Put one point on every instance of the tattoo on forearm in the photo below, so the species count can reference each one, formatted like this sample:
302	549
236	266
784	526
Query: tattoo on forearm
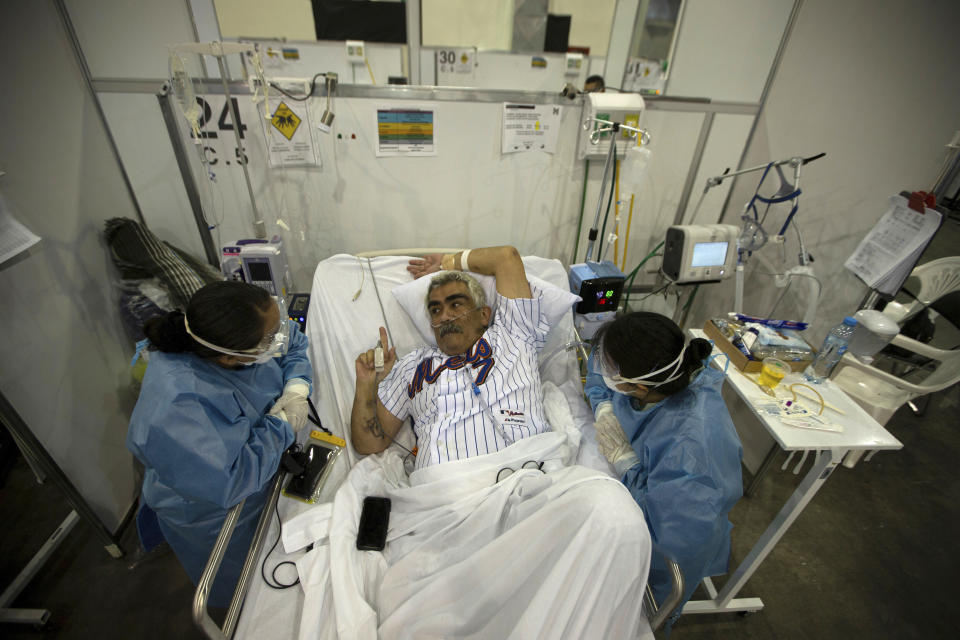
373	426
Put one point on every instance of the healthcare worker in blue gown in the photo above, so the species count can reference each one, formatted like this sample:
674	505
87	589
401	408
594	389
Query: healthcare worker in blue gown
225	391
663	425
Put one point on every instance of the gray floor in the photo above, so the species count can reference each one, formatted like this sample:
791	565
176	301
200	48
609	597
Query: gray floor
872	556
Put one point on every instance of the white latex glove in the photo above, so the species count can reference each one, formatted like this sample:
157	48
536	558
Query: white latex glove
292	404
611	440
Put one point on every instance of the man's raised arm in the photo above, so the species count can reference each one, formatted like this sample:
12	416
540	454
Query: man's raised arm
503	263
372	426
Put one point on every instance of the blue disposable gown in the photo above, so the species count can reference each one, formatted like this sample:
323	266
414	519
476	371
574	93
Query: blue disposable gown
687	478
204	437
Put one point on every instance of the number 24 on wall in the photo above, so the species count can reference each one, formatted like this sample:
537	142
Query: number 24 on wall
222	125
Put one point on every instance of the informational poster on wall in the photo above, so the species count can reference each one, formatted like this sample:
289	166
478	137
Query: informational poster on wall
645	76
289	135
530	127
406	131
455	67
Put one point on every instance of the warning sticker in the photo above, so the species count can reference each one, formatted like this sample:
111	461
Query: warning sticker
289	136
285	121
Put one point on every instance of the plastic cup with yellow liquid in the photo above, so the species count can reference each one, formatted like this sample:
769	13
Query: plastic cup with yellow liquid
772	372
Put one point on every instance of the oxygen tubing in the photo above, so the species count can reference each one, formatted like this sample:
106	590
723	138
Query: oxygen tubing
633	274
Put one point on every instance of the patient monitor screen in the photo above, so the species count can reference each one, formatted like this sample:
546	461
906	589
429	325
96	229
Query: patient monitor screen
709	254
260	271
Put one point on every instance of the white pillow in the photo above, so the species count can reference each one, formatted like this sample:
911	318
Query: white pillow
412	297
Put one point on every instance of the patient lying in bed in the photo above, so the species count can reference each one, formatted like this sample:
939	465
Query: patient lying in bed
493	534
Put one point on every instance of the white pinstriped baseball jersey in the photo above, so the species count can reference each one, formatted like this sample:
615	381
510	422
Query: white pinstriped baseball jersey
438	390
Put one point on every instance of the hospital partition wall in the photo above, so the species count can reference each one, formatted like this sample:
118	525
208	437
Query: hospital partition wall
469	193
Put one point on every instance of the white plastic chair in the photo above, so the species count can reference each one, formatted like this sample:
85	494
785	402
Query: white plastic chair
937	279
881	393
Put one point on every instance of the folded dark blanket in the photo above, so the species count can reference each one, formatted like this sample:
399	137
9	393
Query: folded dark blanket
137	253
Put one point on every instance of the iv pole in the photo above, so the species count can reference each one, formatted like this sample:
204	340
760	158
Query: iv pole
220	50
607	126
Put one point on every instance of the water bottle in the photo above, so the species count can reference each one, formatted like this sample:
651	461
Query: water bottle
834	346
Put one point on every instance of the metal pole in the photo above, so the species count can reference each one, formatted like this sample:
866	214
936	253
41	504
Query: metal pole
413	40
88	82
15	424
822	467
259	228
189	183
592	237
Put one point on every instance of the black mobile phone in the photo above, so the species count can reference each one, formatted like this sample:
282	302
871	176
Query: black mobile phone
372	534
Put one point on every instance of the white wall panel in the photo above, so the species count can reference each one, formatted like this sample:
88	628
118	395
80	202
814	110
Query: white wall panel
725	49
123	39
138	129
724	148
842	89
467	23
291	19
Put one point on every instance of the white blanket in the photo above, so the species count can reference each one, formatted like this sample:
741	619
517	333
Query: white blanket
562	554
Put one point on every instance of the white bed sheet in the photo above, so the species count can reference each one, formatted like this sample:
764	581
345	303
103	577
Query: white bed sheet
339	328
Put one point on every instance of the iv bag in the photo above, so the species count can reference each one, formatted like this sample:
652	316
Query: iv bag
182	85
633	168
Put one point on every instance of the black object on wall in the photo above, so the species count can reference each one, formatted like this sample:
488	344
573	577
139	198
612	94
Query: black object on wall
360	20
558	33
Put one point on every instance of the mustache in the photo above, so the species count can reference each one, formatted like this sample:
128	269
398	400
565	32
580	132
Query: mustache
447	329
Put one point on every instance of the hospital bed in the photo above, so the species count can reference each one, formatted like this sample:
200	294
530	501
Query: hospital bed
351	297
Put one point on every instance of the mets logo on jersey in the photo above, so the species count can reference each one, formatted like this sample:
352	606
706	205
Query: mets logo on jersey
480	357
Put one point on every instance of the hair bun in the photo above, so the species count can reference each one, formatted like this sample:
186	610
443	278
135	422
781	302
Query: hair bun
168	333
698	350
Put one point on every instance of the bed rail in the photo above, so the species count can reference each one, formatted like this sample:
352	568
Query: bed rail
413	251
657	615
200	614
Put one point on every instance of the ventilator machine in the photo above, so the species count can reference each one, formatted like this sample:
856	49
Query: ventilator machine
699	253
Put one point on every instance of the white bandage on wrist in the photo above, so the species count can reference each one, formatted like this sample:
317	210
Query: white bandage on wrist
603	408
463	260
297	386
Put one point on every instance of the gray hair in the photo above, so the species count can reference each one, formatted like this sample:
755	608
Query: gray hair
473	287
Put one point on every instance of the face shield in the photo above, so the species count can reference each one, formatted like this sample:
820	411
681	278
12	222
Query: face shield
612	378
274	344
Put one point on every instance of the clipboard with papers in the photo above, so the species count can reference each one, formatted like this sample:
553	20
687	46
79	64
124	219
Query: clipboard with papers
887	255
